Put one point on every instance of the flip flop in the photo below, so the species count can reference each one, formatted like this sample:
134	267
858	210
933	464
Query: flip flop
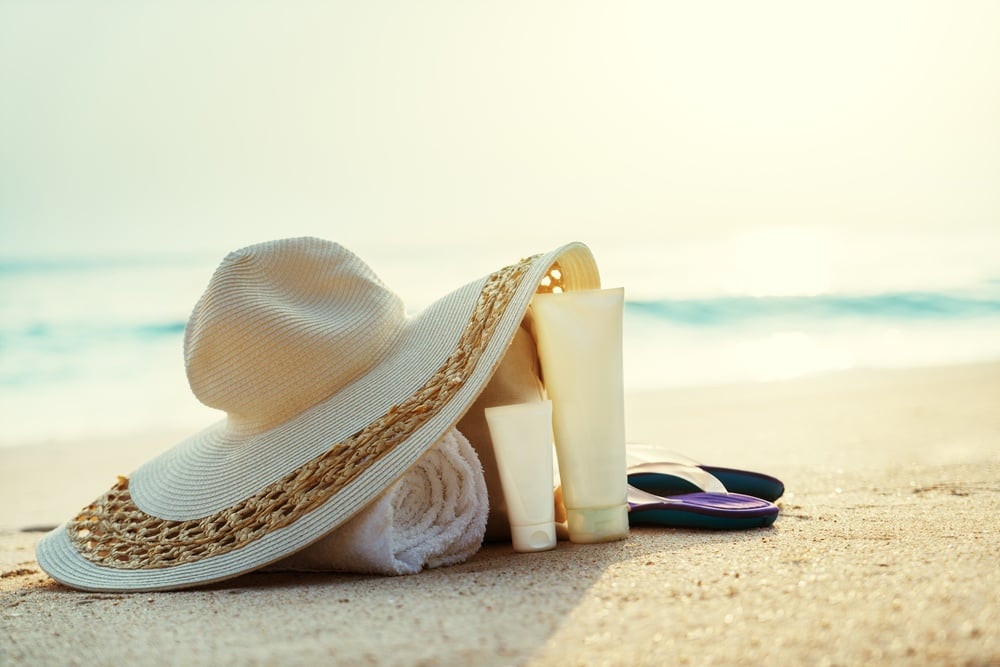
716	511
666	478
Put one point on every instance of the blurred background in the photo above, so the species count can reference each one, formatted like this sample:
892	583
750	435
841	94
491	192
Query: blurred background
783	188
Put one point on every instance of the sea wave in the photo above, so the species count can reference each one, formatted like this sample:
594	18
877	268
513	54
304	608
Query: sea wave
741	310
22	266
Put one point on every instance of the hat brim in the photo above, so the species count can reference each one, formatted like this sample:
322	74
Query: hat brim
223	503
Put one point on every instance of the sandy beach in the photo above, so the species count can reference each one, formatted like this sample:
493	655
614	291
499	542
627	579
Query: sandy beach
885	553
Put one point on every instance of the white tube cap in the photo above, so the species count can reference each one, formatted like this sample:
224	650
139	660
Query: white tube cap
597	524
534	537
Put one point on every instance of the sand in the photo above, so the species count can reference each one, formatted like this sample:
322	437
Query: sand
886	552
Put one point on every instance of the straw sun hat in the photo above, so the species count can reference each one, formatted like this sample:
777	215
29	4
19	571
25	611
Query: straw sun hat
331	393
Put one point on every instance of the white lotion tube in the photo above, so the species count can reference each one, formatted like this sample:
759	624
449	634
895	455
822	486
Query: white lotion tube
522	443
579	337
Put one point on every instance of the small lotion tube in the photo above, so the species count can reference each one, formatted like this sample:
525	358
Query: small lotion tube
522	443
579	337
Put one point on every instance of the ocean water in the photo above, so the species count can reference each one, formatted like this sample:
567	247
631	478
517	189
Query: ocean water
740	339
92	347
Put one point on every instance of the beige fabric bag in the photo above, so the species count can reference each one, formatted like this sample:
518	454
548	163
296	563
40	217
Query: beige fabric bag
517	380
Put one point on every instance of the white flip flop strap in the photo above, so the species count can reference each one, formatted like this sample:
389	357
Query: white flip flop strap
701	478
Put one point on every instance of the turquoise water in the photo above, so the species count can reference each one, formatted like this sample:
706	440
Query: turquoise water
735	339
94	346
906	306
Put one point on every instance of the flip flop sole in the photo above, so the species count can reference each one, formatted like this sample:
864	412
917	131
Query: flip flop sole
748	483
715	511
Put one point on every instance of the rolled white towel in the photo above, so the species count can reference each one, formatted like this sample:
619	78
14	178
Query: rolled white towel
434	515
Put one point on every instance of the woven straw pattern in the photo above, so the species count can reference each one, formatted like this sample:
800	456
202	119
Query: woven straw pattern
114	532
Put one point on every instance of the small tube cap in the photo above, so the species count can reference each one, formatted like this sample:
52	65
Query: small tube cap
597	524
534	537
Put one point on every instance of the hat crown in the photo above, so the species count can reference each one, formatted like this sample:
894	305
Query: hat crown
282	326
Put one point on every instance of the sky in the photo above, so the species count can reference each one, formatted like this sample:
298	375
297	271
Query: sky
779	146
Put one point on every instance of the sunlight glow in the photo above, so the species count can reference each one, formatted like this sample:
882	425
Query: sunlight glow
789	354
777	261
